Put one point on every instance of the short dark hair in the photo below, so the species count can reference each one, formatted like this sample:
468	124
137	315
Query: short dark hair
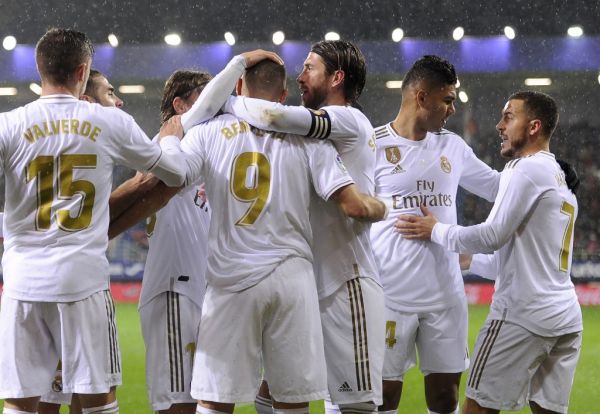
266	76
182	83
432	69
91	86
347	57
540	106
59	52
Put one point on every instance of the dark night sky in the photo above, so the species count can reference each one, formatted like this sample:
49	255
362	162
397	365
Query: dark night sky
137	21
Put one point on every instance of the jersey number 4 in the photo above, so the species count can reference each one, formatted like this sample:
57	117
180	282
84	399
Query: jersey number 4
41	169
251	183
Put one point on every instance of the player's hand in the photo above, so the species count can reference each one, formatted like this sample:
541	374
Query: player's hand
255	56
416	227
172	127
145	181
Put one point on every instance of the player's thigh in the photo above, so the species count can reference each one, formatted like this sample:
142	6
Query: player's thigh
505	358
400	349
442	340
28	340
228	362
354	334
170	329
552	382
91	358
293	352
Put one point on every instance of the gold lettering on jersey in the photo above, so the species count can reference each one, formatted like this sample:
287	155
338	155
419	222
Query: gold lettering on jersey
234	129
61	126
445	164
393	155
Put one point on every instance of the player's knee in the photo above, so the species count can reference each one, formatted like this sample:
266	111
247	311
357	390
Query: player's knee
112	408
358	408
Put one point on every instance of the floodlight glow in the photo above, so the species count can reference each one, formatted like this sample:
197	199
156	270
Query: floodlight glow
457	84
598	78
278	37
538	81
9	42
397	84
509	32
332	36
35	88
113	40
464	98
229	38
173	39
458	33
575	31
397	34
8	91
128	89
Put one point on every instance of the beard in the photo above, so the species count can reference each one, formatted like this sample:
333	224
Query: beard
315	99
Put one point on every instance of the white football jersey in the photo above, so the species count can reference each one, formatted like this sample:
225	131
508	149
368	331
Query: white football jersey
57	155
531	229
342	247
419	276
259	188
178	247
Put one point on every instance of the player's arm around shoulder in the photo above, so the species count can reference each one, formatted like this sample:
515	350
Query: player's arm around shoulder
478	177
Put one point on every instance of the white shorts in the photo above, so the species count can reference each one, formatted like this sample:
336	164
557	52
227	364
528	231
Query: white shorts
513	365
353	332
56	396
277	318
439	337
170	327
35	335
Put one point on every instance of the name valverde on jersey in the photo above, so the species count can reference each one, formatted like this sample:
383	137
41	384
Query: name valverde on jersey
57	155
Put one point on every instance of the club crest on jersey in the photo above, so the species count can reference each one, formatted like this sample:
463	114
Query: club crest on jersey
393	155
445	164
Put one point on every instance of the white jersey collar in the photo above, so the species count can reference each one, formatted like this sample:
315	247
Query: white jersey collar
407	141
59	97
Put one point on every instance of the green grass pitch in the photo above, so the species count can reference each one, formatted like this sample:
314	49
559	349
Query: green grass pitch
585	397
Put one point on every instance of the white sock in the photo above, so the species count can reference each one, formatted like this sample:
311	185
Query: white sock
263	405
456	411
331	408
303	410
13	411
388	412
112	408
358	408
203	410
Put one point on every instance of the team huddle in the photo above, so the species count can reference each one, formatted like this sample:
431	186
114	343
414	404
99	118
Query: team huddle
296	252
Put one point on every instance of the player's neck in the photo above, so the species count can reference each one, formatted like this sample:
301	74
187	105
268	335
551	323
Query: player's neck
407	127
335	97
51	89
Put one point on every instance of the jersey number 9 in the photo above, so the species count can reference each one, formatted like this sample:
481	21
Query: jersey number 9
250	182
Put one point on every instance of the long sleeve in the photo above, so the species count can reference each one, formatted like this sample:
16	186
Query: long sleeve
506	217
215	94
478	177
484	265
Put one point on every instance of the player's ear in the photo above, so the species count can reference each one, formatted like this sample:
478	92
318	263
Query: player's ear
420	96
284	94
535	126
87	98
338	78
179	105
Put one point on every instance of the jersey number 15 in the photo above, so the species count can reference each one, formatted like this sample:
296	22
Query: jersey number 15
41	169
